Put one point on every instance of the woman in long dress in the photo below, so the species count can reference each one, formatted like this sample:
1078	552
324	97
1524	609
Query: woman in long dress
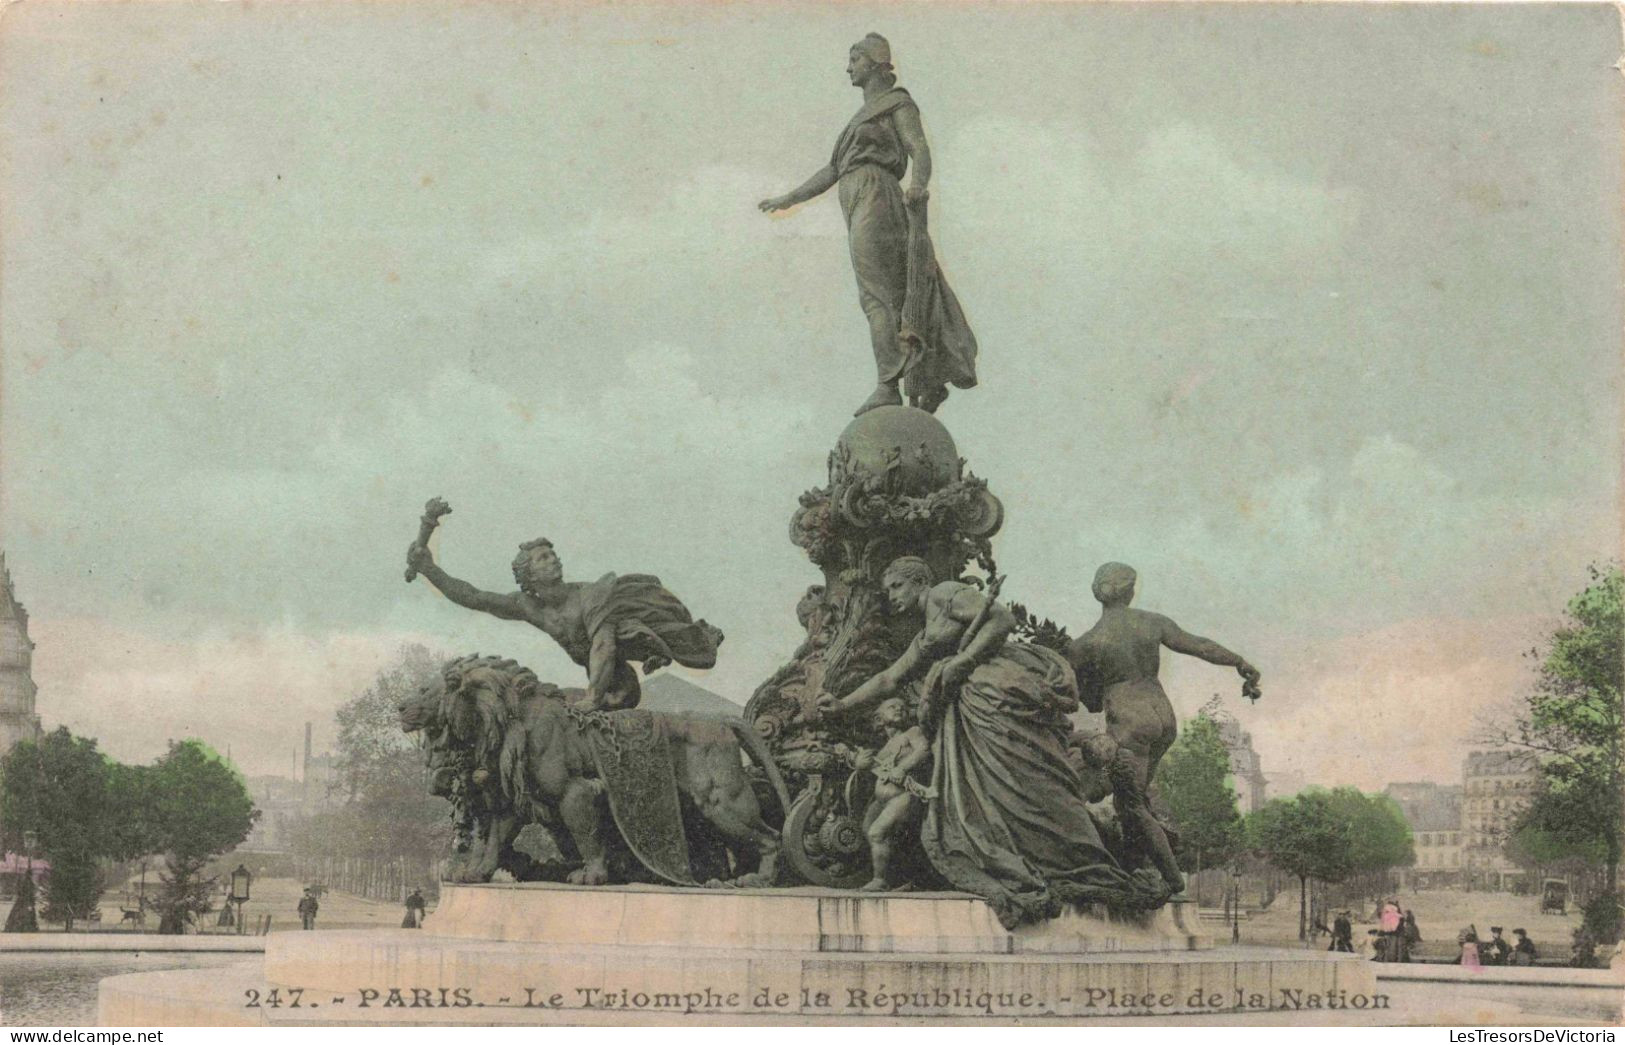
1007	820
916	327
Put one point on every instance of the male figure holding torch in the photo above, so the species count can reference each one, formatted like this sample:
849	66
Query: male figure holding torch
604	626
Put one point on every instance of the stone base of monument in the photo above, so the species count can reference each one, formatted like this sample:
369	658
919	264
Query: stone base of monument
546	954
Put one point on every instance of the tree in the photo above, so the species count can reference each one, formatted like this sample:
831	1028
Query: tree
196	807
1306	837
1571	721
1379	836
1193	781
1555	834
385	810
69	795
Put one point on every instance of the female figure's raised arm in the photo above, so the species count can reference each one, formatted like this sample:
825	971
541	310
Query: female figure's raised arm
812	188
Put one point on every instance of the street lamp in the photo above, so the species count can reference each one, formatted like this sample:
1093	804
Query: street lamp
240	880
1235	905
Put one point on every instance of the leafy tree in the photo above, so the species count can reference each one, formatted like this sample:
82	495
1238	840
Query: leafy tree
1555	833
1379	836
1194	782
1571	721
68	794
195	807
384	808
1307	837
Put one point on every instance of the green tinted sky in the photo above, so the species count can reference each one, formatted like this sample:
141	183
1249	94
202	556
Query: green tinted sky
1310	313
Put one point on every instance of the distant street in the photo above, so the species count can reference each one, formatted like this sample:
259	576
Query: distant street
1440	914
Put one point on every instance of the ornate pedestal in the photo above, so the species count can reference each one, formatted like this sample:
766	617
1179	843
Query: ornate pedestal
548	954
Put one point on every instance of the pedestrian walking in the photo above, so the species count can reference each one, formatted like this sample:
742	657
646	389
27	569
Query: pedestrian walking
414	910
1342	933
308	906
1409	936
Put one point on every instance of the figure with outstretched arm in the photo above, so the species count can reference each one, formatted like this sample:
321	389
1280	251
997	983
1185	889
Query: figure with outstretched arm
1116	663
605	626
916	328
1004	813
949	609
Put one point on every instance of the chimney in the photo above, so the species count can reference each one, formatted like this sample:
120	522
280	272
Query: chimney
307	751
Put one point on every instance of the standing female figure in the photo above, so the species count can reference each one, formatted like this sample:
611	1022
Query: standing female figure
1005	817
916	327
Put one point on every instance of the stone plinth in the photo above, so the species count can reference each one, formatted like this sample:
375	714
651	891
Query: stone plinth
794	920
561	955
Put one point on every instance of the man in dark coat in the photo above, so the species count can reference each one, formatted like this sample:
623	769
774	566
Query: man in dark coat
1499	949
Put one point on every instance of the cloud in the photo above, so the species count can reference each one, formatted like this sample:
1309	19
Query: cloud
1401	702
1183	196
251	691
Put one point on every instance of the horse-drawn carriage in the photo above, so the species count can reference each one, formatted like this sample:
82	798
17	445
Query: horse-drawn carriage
1554	896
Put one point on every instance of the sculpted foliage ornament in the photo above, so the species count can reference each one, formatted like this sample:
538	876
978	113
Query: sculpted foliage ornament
896	486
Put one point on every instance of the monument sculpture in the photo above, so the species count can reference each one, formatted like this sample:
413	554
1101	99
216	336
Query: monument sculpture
896	486
966	776
604	626
1116	663
918	332
1005	818
914	760
631	788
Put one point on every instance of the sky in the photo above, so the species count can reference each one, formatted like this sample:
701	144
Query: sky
1310	313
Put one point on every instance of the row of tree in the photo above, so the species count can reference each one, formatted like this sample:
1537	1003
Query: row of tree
84	813
379	806
1570	726
1341	835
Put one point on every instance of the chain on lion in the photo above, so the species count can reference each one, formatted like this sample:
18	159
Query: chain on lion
621	733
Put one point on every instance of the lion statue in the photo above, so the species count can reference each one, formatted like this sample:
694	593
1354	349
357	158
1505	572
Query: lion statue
513	750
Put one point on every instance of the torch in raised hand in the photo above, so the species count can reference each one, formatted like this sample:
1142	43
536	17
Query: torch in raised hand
426	527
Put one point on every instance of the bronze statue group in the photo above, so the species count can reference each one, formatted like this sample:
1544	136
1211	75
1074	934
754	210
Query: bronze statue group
971	759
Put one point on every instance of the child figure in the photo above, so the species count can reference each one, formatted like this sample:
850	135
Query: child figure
898	796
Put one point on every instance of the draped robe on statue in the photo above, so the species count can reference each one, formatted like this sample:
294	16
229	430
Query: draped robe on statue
649	621
917	328
650	625
1008	820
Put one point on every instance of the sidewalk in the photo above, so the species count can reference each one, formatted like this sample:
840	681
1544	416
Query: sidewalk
124	942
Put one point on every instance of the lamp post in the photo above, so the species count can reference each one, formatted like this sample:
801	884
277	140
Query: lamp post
1235	905
240	881
30	840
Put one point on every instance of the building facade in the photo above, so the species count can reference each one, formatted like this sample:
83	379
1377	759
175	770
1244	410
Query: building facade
1247	771
18	718
1496	785
1433	812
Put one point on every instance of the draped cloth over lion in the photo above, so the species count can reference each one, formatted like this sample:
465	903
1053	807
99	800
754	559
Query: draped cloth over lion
918	330
650	622
631	751
638	756
1008	821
